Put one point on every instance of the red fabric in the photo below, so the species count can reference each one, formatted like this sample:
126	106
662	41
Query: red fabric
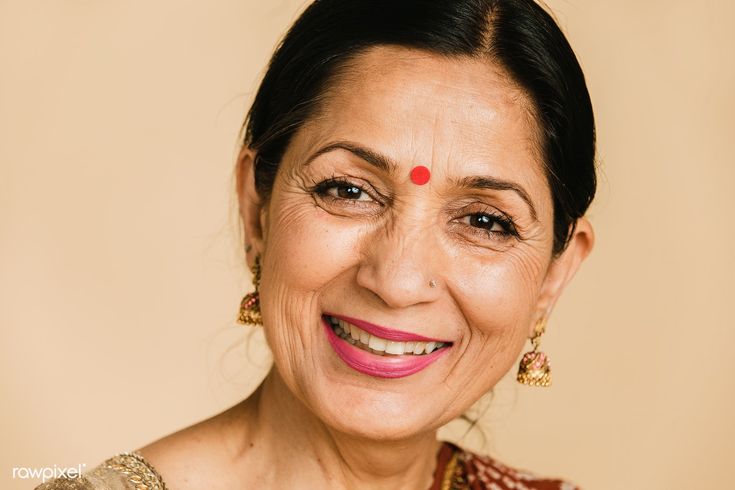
476	472
445	453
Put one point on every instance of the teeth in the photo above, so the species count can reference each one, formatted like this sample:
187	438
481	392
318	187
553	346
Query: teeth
379	346
395	348
376	343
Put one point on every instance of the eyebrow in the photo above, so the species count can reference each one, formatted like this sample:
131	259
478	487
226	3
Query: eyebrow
385	164
372	157
486	182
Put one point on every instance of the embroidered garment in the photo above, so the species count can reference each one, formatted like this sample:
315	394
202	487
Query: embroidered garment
125	471
456	469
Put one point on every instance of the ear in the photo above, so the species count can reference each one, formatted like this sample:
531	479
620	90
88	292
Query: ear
562	269
252	210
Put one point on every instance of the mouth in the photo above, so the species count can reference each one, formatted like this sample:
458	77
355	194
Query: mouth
378	356
380	346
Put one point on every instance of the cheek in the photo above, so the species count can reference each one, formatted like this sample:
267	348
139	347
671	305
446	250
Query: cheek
498	302
305	250
307	246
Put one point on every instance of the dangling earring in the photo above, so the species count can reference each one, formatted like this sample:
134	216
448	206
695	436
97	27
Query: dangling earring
534	368
250	304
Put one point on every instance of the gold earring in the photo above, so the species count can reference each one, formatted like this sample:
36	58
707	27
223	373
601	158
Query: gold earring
534	368
250	304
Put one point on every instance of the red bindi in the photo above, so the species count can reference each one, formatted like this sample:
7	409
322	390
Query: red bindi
420	175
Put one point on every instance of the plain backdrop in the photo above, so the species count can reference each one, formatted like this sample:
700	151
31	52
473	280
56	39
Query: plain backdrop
121	268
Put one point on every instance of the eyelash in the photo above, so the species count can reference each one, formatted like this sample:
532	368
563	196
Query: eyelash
322	188
509	228
506	222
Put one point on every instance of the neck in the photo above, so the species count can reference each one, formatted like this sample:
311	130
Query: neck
291	448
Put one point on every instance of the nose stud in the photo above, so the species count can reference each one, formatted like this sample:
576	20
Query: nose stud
432	283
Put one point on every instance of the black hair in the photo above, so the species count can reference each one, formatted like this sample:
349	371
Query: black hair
517	34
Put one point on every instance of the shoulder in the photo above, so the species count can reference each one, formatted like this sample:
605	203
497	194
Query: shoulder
124	471
193	457
484	472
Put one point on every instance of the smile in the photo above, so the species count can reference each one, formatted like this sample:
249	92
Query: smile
378	345
378	356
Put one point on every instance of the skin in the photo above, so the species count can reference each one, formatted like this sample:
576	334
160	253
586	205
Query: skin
370	253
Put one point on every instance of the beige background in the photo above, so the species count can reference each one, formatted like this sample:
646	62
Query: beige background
120	270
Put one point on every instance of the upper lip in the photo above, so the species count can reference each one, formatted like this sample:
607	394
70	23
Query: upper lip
385	332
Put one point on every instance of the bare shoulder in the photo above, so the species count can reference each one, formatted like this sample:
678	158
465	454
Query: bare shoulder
195	456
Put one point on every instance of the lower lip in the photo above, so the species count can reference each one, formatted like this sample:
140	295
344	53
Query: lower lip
377	365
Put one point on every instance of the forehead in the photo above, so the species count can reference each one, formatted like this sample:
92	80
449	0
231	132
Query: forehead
458	115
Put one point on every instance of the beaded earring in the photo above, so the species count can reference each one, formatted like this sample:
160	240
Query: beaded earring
534	368
250	304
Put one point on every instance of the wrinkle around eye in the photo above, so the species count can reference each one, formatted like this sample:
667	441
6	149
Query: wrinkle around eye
332	193
333	190
480	247
344	207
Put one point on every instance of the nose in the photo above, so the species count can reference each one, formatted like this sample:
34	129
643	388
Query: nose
399	265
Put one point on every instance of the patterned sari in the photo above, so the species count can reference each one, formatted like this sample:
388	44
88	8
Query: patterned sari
456	469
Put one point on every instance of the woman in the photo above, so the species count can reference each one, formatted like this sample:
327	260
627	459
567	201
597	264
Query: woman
412	186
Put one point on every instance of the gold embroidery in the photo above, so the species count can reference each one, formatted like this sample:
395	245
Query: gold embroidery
448	480
141	474
66	483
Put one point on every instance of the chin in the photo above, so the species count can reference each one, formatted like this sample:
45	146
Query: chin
375	410
382	418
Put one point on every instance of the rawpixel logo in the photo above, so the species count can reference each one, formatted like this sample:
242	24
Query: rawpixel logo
47	472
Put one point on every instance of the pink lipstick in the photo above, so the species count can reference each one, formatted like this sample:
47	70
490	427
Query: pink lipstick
385	332
381	366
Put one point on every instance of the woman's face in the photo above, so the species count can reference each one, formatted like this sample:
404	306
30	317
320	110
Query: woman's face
347	233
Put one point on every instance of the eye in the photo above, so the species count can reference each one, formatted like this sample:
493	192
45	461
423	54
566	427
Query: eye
344	197
341	192
494	225
345	190
486	221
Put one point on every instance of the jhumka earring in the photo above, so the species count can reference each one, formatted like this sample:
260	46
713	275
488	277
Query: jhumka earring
534	368
250	304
